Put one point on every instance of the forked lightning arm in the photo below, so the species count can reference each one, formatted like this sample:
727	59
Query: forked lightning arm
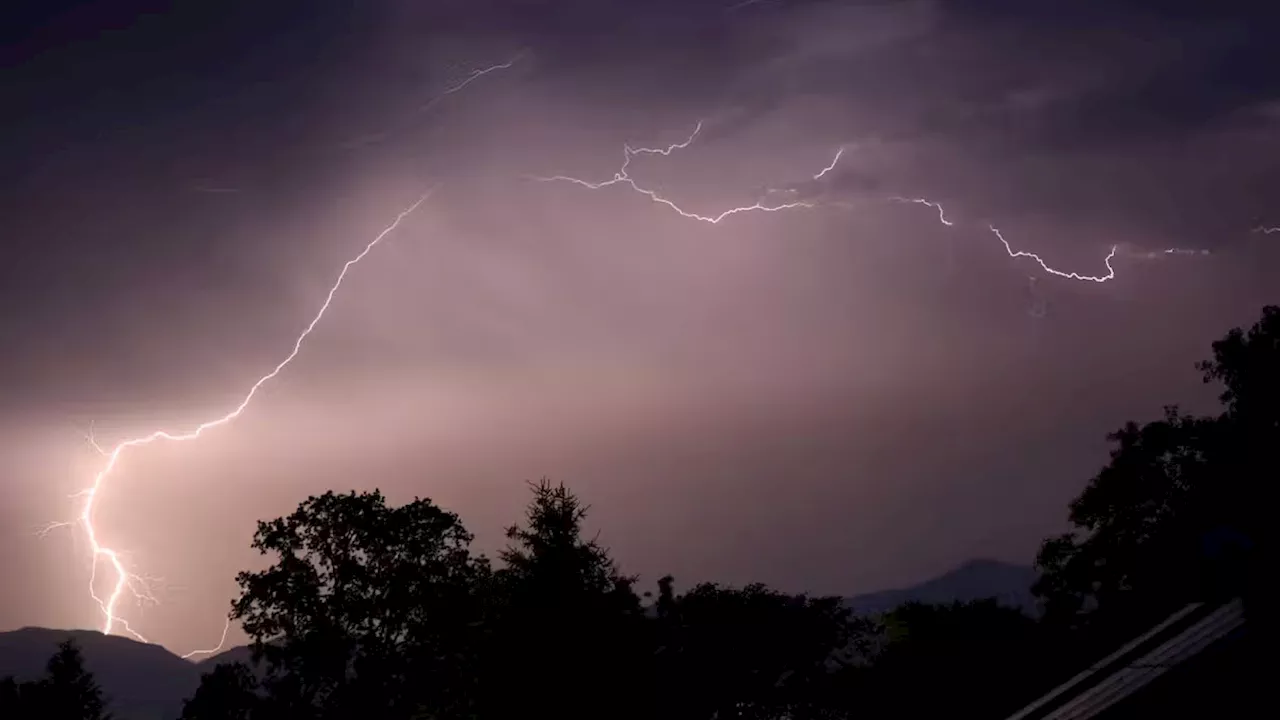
209	651
942	216
124	580
623	177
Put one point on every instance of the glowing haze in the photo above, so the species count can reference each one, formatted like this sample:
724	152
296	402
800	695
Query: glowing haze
869	318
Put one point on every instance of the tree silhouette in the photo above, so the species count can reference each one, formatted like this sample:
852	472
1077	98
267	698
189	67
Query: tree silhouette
566	626
1177	513
69	692
1248	367
747	653
230	692
11	698
974	659
1139	524
366	608
66	692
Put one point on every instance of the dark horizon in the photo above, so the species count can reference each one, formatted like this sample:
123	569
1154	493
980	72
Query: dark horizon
835	399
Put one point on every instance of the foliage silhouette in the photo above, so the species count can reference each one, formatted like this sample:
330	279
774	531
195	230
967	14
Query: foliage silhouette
749	652
1177	514
976	659
384	612
229	692
66	692
1248	367
567	625
366	607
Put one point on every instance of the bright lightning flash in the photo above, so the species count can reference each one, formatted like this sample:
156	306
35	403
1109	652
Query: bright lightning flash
124	580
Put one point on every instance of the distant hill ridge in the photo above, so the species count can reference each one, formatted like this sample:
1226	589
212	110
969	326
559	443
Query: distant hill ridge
148	682
1009	584
141	681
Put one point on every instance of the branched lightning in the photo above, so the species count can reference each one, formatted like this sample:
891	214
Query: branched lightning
126	581
942	218
623	177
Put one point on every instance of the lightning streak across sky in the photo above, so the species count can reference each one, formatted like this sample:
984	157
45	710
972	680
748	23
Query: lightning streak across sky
472	77
455	87
123	580
942	216
1111	272
623	177
831	166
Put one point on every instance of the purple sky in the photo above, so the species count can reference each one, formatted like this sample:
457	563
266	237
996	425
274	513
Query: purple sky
835	399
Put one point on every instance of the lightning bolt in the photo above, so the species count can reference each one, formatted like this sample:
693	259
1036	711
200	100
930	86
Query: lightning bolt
105	556
621	177
1111	272
832	166
221	641
471	77
942	218
1266	230
942	215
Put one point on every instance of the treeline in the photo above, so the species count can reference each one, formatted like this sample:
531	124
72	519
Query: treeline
375	611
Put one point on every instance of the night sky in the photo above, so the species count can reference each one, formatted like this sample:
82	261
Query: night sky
834	399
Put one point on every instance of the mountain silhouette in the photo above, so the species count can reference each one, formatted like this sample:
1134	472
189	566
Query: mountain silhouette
147	682
140	681
1009	584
